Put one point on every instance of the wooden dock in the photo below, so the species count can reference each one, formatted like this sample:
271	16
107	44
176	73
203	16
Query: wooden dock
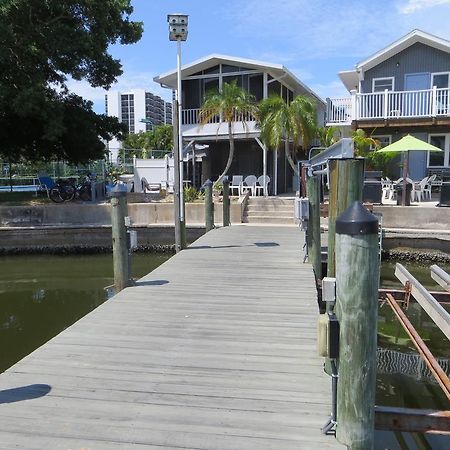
214	350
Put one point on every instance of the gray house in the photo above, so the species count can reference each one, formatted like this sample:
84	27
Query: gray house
261	79
403	88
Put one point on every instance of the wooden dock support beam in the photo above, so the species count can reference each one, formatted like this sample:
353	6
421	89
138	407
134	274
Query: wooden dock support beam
119	210
226	201
357	279
209	206
313	232
346	186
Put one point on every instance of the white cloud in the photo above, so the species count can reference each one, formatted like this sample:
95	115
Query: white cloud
333	89
412	6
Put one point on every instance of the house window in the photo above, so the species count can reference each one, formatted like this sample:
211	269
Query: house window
384	140
440	80
381	84
439	159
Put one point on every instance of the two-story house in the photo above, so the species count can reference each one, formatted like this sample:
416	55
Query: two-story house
403	88
261	79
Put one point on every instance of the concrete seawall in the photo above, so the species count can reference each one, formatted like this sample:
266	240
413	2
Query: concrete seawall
141	214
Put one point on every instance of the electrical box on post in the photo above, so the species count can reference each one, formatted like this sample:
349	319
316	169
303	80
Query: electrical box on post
302	209
329	290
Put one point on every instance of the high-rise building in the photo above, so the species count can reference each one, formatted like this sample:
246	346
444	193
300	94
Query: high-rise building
139	110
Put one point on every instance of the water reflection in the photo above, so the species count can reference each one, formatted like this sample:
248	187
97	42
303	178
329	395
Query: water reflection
42	295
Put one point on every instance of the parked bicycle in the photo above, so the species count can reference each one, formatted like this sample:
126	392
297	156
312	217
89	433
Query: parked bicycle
68	190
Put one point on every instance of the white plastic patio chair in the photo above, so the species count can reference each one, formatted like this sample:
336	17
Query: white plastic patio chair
419	189
263	184
236	184
429	185
249	184
387	187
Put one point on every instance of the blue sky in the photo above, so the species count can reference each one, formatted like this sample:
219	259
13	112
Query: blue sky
315	39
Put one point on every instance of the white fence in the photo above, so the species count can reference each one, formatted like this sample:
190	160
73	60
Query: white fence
389	105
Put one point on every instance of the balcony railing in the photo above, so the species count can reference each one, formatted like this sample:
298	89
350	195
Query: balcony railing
192	117
389	105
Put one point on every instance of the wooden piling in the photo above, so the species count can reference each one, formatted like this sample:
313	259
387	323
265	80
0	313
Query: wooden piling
357	279
209	206
313	232
119	210
226	201
346	178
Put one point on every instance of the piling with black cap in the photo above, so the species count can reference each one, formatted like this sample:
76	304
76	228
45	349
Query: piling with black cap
357	279
121	262
209	206
346	179
226	201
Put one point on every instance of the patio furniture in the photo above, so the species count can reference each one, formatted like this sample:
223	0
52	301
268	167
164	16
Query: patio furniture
399	186
263	184
421	189
46	183
249	184
236	184
150	187
387	187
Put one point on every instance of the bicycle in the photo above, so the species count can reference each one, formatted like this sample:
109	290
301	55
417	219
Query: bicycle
62	191
66	190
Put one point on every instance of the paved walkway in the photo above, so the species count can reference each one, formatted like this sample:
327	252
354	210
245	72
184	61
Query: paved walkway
215	349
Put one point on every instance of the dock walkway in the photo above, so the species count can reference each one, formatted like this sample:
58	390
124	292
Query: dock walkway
214	350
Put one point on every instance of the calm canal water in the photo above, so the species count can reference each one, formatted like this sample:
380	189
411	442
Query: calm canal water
42	295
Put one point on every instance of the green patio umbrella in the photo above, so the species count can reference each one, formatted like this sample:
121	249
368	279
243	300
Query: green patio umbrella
408	144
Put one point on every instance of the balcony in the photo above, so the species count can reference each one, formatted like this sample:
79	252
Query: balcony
428	103
243	125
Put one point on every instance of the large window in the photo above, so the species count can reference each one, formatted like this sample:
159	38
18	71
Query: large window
127	111
381	84
439	159
440	80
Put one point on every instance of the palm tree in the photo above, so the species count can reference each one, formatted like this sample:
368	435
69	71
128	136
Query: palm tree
231	104
327	135
296	121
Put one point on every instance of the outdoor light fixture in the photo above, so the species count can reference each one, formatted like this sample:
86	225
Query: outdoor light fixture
178	27
178	31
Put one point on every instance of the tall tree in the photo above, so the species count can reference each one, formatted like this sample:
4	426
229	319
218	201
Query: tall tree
296	122
327	135
42	44
231	104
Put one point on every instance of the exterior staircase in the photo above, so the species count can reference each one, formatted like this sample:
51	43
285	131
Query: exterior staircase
270	210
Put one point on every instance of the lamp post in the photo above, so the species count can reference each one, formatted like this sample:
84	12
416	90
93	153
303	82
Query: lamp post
178	31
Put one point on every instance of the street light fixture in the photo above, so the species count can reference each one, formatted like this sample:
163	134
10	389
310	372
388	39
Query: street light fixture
178	31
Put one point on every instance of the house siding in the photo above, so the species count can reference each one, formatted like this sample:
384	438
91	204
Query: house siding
418	58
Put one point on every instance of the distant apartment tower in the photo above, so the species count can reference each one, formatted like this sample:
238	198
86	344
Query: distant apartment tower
139	110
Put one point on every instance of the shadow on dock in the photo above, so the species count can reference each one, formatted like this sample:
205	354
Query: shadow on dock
24	393
257	244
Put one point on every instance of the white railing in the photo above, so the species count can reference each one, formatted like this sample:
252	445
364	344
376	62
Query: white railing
389	105
339	110
192	117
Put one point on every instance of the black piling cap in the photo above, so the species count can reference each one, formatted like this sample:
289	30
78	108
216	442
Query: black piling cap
208	183
356	220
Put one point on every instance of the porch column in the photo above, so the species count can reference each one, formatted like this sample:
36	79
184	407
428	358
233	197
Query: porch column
275	172
264	150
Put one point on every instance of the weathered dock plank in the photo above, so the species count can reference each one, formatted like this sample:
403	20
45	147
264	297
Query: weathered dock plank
215	349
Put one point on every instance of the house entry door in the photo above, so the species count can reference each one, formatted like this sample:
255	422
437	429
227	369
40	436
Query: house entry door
416	102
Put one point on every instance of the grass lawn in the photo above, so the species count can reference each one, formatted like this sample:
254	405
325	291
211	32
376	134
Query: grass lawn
22	199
